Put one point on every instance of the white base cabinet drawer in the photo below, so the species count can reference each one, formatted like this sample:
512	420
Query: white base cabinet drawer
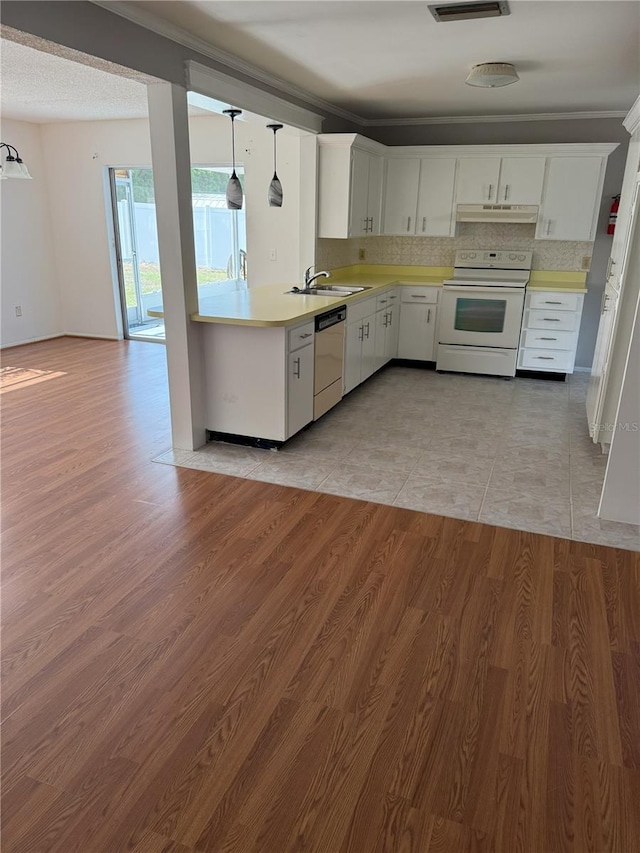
555	301
537	318
544	359
301	336
543	339
419	294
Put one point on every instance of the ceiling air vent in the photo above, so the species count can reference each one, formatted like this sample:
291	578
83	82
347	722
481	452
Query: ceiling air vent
468	11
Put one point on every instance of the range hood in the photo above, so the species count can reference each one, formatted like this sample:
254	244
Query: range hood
497	213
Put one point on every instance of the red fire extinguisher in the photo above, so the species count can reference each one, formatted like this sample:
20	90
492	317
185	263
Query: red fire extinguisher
613	215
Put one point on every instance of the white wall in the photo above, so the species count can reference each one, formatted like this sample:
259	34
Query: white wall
76	155
28	270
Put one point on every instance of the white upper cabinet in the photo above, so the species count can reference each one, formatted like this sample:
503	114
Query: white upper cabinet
349	186
500	180
478	180
570	202
419	197
424	185
435	197
521	180
401	196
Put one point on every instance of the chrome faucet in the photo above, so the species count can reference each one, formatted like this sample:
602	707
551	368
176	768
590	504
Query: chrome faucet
309	279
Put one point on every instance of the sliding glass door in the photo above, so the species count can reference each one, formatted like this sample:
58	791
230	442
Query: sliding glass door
220	242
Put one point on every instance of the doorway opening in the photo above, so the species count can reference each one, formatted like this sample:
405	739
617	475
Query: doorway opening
220	237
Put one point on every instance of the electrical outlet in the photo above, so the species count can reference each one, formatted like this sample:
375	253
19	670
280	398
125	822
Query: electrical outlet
586	262
273	255
361	254
18	310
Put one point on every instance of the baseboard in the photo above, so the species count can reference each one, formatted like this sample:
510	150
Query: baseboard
32	341
95	337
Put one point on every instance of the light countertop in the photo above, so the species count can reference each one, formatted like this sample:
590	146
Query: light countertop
272	305
558	280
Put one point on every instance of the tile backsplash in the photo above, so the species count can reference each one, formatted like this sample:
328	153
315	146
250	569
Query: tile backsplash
440	251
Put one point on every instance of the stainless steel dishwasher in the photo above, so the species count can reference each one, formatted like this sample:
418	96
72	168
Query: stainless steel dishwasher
329	357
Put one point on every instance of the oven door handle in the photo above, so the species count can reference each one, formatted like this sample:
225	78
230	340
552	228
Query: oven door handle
473	289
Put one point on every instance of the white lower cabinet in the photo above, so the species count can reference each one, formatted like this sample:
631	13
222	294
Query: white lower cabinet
550	328
417	328
258	380
360	344
300	369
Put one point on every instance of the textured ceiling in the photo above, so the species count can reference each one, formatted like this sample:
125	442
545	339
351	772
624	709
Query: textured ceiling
43	87
40	87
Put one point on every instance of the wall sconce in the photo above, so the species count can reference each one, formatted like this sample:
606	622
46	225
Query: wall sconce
13	166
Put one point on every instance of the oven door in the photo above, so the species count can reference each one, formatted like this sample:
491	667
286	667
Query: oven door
481	316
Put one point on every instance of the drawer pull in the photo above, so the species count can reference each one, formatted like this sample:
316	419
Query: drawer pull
552	302
547	339
551	319
418	296
545	357
307	335
383	302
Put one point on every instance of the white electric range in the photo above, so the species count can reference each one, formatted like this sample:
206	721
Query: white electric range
481	312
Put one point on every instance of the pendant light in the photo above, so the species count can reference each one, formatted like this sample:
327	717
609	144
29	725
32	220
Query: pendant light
13	165
234	187
275	187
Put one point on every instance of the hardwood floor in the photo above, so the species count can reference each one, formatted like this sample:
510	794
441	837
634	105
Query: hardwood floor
199	662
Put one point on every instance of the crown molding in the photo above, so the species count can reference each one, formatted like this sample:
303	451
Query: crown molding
225	87
632	119
560	149
149	21
481	119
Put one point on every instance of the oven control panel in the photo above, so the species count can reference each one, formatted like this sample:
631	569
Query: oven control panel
507	259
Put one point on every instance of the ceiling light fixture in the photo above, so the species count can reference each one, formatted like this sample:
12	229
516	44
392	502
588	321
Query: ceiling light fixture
13	166
234	187
491	75
275	187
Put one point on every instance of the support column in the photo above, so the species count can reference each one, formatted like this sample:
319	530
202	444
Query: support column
171	160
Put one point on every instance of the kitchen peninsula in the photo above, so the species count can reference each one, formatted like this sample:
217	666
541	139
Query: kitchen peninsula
258	343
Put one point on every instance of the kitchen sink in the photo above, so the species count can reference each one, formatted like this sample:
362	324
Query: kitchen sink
330	290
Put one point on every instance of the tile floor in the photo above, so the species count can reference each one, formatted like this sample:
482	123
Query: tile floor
511	453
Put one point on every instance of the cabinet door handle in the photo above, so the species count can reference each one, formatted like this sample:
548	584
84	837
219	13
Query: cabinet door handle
490	192
296	369
552	302
506	191
551	319
408	223
428	315
367	335
424	223
548	229
361	333
547	339
371	219
386	320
